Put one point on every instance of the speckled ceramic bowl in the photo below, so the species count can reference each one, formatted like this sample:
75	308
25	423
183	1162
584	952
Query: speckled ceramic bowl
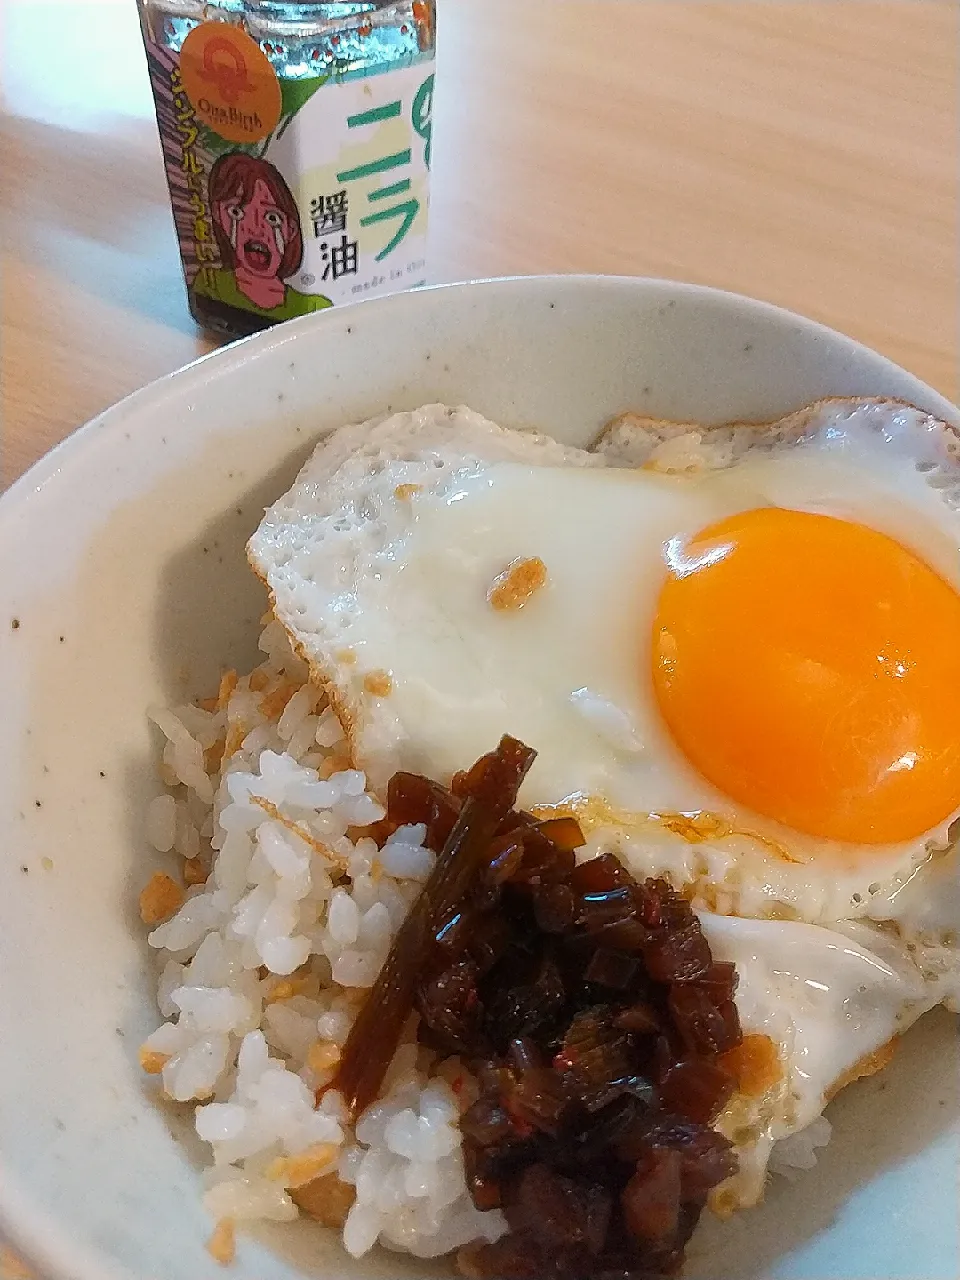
123	582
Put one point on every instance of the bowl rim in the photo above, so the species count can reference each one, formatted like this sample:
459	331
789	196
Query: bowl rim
54	459
24	1224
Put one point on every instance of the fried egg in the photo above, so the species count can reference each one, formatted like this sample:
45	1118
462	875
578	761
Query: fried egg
732	649
832	1003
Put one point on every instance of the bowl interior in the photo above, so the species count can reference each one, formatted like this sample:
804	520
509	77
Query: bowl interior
123	582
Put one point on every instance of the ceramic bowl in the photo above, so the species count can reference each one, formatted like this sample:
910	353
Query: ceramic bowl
123	582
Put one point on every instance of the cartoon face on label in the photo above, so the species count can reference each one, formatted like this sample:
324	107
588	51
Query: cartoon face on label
257	226
259	232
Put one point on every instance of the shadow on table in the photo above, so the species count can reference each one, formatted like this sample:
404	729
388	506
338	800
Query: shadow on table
117	244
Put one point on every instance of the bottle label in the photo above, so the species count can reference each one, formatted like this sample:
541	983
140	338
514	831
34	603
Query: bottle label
291	196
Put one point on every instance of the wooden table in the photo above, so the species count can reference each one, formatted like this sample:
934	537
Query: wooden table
804	153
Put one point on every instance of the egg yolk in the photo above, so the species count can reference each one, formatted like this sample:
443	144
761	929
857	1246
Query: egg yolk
809	668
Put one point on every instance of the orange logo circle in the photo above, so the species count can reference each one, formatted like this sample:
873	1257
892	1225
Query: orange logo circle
230	83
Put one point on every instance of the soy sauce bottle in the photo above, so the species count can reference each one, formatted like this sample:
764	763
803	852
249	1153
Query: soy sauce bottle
296	140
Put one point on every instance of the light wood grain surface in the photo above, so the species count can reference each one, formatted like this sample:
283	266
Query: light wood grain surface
803	153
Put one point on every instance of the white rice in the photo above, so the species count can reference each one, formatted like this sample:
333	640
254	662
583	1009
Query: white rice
796	1154
264	966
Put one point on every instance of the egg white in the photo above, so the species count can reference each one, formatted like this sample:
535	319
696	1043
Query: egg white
381	557
830	1000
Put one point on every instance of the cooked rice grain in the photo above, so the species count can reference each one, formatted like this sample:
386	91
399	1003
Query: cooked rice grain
288	914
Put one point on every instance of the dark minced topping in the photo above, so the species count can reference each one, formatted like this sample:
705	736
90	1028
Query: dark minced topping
592	1014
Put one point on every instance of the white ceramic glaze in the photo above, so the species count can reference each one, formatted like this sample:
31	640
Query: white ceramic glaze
121	560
